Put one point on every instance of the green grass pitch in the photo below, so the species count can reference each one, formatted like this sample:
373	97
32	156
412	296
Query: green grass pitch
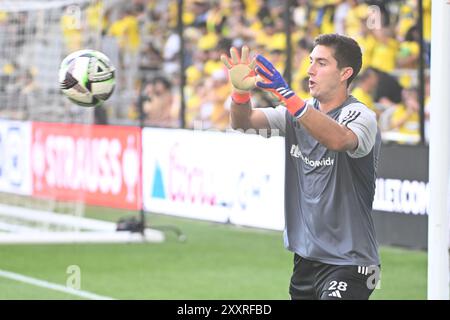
216	262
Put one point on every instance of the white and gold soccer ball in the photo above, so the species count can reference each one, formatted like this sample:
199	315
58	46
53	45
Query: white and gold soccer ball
87	77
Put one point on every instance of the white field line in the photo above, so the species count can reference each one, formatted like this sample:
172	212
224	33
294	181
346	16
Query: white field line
52	286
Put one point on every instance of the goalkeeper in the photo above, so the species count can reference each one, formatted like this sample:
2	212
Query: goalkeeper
332	149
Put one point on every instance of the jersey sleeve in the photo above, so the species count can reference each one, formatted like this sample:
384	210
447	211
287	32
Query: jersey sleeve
277	118
363	122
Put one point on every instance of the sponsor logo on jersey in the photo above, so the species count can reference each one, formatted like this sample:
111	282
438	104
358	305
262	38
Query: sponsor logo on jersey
295	152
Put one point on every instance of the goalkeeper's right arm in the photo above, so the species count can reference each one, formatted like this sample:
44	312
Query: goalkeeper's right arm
244	117
243	79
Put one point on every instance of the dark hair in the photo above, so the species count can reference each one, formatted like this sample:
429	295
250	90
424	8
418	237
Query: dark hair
346	52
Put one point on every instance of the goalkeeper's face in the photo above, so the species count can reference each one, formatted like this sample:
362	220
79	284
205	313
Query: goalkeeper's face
325	78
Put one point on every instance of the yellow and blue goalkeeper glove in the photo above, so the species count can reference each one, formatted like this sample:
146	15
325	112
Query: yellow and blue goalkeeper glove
275	84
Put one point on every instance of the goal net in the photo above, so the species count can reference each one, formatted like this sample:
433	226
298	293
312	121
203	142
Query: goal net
35	36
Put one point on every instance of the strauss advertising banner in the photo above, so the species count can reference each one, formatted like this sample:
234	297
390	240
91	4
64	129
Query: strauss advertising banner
99	165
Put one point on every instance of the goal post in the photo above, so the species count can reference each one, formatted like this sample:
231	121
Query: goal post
438	218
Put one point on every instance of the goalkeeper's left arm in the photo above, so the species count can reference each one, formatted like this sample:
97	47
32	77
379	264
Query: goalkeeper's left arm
323	128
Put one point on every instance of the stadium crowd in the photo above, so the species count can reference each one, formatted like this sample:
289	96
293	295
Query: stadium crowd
147	38
387	31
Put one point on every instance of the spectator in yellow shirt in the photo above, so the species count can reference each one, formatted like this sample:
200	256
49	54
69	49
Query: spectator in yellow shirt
408	54
356	12
385	51
407	17
126	30
405	119
365	88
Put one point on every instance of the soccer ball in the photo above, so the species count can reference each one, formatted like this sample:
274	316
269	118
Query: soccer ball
86	77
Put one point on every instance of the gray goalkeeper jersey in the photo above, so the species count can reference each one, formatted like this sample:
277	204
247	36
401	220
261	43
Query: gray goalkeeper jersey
329	194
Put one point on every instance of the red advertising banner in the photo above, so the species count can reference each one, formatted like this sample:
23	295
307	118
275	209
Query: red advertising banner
99	165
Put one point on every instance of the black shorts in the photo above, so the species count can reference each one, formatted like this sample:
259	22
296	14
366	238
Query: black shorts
312	280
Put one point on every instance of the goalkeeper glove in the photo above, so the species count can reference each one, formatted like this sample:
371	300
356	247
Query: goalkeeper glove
274	83
241	74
